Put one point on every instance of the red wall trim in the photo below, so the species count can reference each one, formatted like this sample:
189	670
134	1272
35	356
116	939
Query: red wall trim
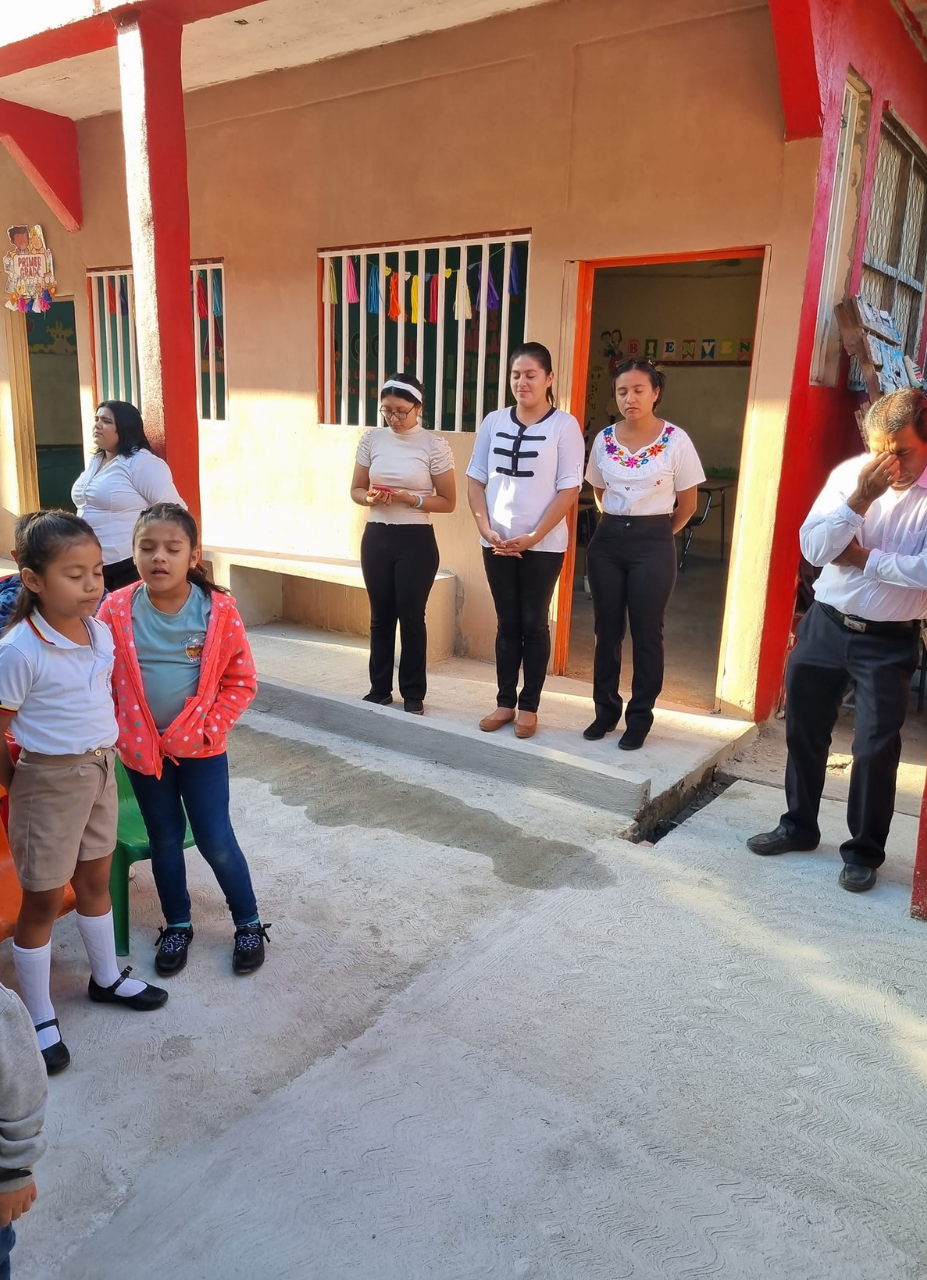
45	148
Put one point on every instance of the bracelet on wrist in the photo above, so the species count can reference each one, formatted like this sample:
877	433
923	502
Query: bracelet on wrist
419	502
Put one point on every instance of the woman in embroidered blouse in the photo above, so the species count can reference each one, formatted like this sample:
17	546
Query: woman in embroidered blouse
645	473
524	476
123	479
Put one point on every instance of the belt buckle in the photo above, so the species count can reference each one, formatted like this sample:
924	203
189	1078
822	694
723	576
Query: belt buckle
854	624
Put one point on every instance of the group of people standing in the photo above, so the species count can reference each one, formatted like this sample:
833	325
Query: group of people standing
523	479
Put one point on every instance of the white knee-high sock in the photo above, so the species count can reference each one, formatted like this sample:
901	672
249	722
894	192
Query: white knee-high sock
33	968
100	942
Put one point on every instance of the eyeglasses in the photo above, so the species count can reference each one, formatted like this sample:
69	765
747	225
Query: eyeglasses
401	414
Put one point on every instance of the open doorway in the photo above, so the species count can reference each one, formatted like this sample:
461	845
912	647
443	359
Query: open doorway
55	380
697	320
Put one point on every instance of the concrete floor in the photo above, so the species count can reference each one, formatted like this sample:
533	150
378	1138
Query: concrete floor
491	1040
692	631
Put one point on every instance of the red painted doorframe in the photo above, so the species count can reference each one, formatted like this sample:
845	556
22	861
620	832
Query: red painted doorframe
585	285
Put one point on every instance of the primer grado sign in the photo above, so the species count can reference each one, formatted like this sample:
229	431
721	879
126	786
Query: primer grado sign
29	270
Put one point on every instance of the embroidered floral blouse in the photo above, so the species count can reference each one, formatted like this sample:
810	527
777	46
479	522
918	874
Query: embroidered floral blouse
644	483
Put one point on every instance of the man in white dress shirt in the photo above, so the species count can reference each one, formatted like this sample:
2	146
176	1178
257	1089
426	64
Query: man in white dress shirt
868	529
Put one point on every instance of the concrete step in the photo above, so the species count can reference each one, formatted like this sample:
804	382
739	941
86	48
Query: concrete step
317	678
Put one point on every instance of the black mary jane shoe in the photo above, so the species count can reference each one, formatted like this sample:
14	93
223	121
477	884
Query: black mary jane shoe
248	954
173	944
857	879
632	739
148	998
599	728
56	1056
414	706
377	700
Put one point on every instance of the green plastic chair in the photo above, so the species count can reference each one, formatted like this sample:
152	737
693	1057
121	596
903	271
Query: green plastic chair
131	846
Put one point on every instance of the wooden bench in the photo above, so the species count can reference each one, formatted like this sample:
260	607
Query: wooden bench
320	592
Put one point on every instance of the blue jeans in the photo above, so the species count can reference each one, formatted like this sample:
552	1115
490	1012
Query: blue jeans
202	788
7	1240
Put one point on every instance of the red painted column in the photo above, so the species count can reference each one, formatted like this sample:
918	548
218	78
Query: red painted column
159	222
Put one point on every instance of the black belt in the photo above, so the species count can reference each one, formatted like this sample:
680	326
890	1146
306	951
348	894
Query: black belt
871	628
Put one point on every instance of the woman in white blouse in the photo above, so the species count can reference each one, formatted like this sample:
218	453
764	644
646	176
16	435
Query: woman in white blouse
402	475
645	473
525	474
123	478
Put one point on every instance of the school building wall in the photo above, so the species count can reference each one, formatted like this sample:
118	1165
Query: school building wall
606	127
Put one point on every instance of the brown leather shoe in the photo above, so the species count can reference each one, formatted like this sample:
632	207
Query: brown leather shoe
490	723
526	730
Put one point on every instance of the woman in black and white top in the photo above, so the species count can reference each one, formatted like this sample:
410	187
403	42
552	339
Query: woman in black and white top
645	473
524	476
123	478
403	473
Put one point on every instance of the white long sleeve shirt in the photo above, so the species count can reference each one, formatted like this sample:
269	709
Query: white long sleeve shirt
111	496
893	585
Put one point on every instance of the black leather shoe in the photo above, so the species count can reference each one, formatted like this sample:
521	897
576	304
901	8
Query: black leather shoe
56	1056
599	728
779	841
173	944
148	998
633	739
380	702
414	706
857	879
248	954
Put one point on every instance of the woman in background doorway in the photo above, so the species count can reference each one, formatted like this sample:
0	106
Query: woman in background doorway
403	473
645	473
123	478
524	476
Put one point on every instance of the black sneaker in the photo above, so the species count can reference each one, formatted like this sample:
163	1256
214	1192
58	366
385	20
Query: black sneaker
377	699
249	947
173	943
414	706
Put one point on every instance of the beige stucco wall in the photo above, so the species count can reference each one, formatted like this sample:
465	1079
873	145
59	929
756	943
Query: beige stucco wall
607	127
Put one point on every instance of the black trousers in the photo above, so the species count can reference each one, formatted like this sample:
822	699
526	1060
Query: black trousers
825	659
522	591
632	572
120	574
399	563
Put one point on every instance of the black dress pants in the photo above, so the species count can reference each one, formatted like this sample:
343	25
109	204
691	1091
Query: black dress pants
522	591
632	572
826	657
399	563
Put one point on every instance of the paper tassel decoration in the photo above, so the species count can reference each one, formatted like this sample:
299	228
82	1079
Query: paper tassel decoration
414	308
110	297
350	282
332	284
217	293
492	297
462	295
395	311
433	299
374	301
202	302
123	297
513	275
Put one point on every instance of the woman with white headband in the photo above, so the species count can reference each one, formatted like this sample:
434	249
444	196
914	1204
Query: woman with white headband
403	473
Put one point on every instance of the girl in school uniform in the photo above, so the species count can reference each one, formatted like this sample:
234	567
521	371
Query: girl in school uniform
645	473
183	675
525	474
56	664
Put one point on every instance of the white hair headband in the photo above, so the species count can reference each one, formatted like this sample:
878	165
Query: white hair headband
402	386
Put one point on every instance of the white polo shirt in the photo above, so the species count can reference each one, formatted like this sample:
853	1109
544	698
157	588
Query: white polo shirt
524	468
60	693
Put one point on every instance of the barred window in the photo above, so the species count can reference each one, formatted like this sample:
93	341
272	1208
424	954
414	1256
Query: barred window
452	311
112	299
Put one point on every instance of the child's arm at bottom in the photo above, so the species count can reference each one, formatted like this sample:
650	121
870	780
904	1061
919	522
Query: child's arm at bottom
6	763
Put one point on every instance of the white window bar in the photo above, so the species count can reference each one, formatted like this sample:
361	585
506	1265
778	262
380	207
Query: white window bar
420	327
110	393
328	408
197	350
484	312
211	340
438	409
97	334
504	327
461	336
120	358
411	261
133	354
362	343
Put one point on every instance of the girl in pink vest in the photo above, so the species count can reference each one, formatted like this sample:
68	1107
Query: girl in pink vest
183	675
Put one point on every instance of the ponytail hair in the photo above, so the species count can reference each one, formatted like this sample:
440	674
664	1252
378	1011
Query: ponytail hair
537	352
39	539
173	513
